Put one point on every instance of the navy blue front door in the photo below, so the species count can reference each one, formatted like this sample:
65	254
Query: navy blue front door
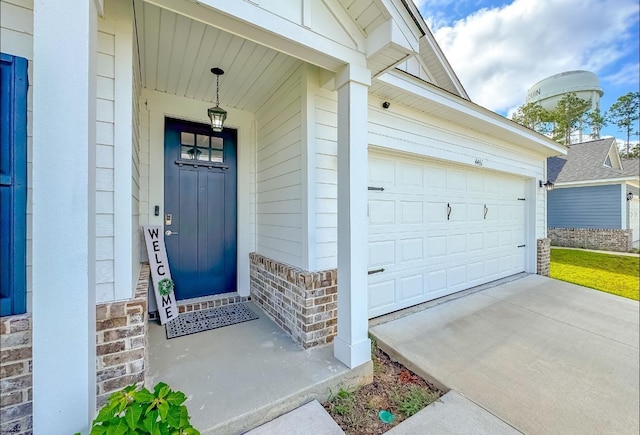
200	185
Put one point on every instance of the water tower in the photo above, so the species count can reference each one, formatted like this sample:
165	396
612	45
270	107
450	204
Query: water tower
549	91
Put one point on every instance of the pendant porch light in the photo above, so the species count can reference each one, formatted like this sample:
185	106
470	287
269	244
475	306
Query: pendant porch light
216	114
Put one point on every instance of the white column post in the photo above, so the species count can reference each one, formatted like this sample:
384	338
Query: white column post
123	133
64	142
352	345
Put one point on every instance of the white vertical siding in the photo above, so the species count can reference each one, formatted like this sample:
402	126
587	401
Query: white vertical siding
105	143
16	38
279	174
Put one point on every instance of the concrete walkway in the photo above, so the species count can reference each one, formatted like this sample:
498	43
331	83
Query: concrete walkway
543	355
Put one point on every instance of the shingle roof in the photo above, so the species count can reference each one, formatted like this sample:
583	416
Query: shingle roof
583	162
631	166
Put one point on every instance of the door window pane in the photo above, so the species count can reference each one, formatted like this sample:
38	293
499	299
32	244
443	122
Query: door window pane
186	138
201	147
203	153
202	141
216	156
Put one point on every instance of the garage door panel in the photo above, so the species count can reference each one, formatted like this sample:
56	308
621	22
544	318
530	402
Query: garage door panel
382	173
456	276
436	281
436	212
424	254
475	183
411	286
506	263
411	177
475	242
411	250
411	212
458	212
492	213
456	182
476	212
382	212
456	244
476	270
436	179
506	240
382	253
436	247
382	294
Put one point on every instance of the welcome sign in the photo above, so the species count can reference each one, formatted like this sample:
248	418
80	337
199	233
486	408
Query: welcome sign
160	273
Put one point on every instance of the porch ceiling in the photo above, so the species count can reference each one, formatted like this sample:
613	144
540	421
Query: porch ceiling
177	54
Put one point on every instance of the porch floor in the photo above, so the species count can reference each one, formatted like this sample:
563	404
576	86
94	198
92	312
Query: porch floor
243	375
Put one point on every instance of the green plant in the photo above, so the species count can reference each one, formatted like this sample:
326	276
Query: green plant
139	411
413	399
342	402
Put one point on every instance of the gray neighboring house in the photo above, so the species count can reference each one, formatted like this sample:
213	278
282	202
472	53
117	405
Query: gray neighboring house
595	201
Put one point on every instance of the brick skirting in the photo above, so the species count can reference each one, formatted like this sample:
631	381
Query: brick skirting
304	304
16	377
543	257
591	238
121	354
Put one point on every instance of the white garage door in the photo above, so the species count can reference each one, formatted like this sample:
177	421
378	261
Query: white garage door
436	229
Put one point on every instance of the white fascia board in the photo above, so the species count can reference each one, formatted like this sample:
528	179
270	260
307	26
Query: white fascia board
249	21
436	51
587	183
494	121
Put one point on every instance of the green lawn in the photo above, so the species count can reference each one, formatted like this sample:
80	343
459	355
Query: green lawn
615	274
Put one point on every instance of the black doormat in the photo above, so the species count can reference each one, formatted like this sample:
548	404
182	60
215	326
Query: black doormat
198	321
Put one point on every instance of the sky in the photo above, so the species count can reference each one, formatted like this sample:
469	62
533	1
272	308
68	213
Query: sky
500	48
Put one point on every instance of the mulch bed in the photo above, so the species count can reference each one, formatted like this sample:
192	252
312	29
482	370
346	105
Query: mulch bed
394	388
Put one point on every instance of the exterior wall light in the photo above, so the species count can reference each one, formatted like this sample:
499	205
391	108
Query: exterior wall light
629	196
216	114
547	186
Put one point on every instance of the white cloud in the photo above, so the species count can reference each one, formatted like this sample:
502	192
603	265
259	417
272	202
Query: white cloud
627	75
498	53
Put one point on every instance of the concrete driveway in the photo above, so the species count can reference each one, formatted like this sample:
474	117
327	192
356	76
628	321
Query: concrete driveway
545	356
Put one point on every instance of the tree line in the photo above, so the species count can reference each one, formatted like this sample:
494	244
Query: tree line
573	114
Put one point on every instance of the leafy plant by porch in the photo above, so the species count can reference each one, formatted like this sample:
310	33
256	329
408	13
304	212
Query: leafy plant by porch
613	274
139	411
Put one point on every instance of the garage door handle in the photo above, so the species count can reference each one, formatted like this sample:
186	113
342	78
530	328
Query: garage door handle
371	272
448	211
485	211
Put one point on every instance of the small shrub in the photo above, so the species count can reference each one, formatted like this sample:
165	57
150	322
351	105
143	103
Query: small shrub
413	399
342	402
133	411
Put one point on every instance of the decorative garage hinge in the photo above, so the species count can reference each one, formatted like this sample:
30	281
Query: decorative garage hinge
371	272
521	246
521	199
376	188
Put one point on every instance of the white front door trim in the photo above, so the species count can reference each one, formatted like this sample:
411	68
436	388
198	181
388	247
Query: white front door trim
160	106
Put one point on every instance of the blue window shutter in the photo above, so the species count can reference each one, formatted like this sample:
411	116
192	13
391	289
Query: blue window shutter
13	184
